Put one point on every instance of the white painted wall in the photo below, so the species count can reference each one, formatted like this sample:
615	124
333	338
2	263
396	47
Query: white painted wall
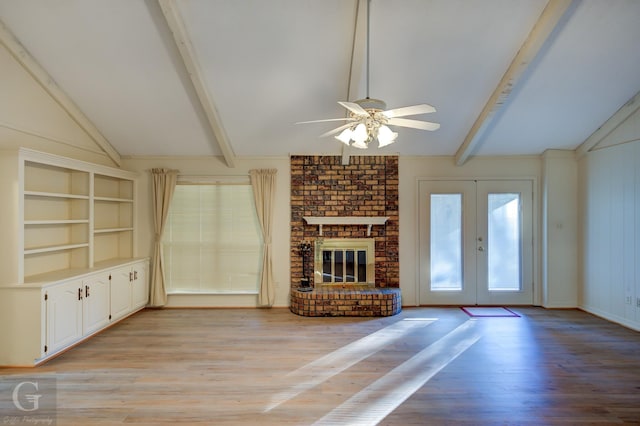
215	166
609	265
559	224
413	169
30	118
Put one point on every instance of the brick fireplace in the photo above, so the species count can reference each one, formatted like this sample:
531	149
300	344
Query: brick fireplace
364	190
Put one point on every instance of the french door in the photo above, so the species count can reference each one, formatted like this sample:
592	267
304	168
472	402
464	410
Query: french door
476	242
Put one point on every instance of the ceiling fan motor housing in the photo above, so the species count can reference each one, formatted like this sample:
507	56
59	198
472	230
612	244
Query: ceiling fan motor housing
372	104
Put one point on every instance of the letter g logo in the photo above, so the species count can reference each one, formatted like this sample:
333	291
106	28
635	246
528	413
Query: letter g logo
32	398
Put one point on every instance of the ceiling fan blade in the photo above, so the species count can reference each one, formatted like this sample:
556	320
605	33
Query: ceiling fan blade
336	130
409	110
415	124
354	108
328	119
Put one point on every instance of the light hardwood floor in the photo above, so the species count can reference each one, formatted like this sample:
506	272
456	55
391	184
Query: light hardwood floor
425	366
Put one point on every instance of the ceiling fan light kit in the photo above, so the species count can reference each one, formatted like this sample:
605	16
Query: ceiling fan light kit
364	128
368	118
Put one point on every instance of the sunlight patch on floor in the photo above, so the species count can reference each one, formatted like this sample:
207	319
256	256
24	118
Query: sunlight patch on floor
372	404
322	369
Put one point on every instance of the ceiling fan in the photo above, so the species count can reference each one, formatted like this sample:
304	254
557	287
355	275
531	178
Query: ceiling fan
368	118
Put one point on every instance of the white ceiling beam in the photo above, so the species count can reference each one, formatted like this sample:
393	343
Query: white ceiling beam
44	79
358	52
625	111
540	33
189	59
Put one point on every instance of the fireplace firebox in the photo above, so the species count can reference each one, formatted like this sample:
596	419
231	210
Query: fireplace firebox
344	262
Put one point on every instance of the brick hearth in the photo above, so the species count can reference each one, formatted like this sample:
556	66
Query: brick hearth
367	302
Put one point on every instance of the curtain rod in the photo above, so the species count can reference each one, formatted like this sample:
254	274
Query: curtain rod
210	179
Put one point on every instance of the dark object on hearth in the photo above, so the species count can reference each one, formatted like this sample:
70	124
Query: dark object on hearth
305	285
305	249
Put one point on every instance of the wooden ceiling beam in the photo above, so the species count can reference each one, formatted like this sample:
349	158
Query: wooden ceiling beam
540	33
189	59
44	79
625	111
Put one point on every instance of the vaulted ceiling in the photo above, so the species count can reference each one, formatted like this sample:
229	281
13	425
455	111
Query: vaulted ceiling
232	77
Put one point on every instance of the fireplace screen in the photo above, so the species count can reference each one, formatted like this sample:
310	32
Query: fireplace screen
344	261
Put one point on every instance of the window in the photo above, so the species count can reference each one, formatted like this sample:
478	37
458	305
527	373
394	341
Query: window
212	241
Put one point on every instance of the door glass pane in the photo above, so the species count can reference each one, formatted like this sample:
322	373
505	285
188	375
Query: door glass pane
446	242
503	242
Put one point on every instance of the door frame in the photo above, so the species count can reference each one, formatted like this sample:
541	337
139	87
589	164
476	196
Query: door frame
535	218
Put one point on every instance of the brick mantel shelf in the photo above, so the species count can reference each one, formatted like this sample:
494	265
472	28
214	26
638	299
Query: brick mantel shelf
369	221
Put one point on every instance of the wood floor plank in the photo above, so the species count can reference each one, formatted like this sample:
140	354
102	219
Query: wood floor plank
226	366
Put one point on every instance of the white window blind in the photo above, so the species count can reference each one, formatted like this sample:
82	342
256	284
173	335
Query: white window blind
212	241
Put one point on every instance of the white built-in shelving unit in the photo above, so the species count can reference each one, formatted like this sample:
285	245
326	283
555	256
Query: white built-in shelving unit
113	218
68	248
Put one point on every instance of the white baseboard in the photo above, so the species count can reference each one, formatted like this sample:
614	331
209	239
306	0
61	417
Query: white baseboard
634	325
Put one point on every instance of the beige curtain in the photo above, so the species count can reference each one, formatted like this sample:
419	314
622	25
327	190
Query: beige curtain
263	182
164	183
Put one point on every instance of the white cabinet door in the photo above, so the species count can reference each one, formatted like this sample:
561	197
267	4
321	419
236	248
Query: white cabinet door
121	292
129	289
140	285
64	315
58	314
96	306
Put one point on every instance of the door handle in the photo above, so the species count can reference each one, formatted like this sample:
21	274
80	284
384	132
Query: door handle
480	248
86	291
